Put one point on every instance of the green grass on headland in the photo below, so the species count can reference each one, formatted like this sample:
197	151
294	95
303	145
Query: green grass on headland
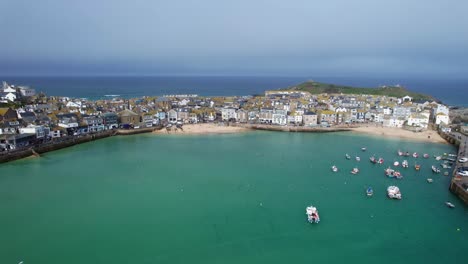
392	91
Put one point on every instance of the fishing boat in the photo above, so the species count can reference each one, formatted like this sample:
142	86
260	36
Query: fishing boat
396	163
415	155
334	168
449	204
373	159
426	156
369	191
363	148
429	180
347	156
435	169
393	192
358	158
417	167
400	153
404	164
312	215
355	171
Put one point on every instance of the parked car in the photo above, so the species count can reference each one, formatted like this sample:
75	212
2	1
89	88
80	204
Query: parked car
463	160
463	173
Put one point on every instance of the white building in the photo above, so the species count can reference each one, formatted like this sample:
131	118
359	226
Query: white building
228	113
418	120
393	121
32	129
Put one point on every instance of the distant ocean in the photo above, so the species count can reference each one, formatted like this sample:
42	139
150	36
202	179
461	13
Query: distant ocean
452	92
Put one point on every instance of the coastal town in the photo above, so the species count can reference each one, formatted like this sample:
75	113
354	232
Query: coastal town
29	119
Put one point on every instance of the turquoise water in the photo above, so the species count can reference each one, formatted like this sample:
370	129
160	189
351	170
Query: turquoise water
227	199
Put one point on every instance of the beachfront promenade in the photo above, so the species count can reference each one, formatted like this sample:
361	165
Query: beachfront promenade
459	184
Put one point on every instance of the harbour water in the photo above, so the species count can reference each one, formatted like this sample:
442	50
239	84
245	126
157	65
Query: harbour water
236	198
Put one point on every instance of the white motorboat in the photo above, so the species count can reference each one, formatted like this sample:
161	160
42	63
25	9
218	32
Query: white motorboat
449	204
429	180
334	168
312	215
393	192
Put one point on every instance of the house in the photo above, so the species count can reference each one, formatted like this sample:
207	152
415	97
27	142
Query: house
8	114
392	121
418	120
94	123
327	116
110	120
309	119
172	116
27	117
147	120
183	115
67	120
26	91
39	131
266	115
242	116
442	119
279	117
129	117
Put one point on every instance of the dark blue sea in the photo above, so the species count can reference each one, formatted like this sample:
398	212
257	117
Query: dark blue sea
450	91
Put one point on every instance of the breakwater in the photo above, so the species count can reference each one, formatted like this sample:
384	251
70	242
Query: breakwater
60	143
458	184
292	128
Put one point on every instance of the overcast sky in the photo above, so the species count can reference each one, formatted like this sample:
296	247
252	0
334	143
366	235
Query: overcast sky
241	37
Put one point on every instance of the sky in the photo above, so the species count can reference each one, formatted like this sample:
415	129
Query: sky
242	37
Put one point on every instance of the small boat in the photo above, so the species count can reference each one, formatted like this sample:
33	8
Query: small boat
358	158
355	171
429	180
369	191
373	159
446	173
334	168
438	157
445	166
396	163
398	175
393	192
449	204
407	154
400	153
452	155
417	167
363	149
426	156
415	155
404	164
380	161
435	169
347	156
312	215
390	172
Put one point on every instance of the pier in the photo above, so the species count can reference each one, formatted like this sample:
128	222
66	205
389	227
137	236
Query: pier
458	184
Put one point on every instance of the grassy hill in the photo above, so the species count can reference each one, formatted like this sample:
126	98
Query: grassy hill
394	91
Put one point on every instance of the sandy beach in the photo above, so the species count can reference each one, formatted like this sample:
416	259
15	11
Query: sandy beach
199	129
391	132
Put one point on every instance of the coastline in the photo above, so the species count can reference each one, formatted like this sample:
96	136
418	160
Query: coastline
430	136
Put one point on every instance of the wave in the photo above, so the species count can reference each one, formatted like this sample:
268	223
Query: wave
112	95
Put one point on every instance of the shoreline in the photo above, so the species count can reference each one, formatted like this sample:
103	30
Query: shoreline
202	129
428	136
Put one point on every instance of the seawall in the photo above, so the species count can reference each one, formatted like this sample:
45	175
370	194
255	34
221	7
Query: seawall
292	128
61	143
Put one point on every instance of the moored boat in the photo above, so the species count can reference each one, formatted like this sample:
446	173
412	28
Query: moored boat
435	169
334	168
373	159
449	204
355	171
396	163
312	215
363	148
404	164
347	156
417	167
369	191
393	192
415	155
358	158
380	161
429	180
426	156
400	153
389	172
